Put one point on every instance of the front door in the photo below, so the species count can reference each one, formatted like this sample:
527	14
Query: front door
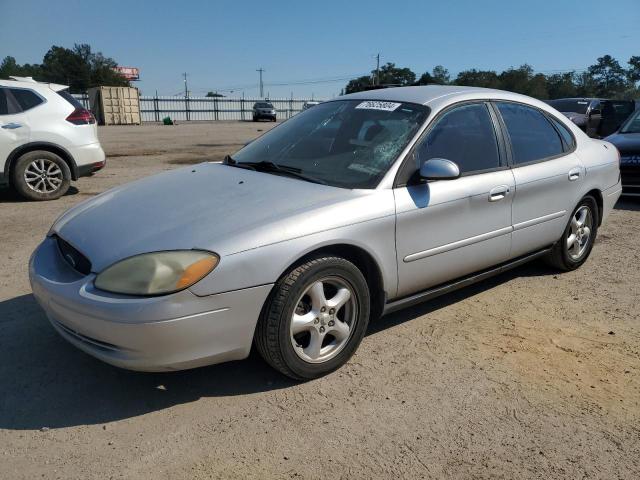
448	228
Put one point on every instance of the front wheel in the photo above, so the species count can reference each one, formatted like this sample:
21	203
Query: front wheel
315	318
41	175
573	249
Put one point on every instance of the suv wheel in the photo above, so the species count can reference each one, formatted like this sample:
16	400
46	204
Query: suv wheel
41	175
573	249
315	318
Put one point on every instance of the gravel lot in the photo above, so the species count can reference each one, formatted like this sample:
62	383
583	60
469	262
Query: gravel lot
533	374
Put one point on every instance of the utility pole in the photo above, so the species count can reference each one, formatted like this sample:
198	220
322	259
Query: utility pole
186	98
260	70
378	69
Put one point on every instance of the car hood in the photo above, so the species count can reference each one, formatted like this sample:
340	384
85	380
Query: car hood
208	206
625	142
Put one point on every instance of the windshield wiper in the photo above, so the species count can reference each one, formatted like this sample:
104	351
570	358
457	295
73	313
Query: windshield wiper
233	163
271	167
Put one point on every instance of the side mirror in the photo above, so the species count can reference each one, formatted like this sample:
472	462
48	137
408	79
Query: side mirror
439	169
595	111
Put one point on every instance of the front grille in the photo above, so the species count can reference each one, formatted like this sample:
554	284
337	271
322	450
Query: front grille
73	257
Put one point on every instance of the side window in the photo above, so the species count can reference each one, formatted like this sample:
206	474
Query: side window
27	99
466	136
569	141
532	136
4	108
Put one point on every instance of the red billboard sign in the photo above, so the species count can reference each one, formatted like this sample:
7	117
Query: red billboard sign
130	73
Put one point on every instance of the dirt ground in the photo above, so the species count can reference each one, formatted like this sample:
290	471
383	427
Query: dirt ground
532	374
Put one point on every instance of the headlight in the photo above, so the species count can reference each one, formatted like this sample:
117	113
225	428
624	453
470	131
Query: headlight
157	273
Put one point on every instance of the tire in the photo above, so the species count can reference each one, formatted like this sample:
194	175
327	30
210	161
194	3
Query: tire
28	180
316	322
567	255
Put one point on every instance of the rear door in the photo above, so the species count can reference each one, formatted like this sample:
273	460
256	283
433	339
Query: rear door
448	228
14	126
548	175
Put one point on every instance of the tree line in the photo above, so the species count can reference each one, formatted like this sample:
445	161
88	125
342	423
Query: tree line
606	79
79	67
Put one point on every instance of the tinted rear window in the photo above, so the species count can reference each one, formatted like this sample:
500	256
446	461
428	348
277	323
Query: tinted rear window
4	110
27	99
532	135
8	105
564	132
70	98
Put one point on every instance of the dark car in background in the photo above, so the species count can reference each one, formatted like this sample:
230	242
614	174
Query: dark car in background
597	117
264	110
627	141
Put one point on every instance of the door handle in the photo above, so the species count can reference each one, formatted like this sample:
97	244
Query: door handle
498	193
11	126
574	174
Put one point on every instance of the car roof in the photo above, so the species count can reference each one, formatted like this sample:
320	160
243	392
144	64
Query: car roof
436	95
28	82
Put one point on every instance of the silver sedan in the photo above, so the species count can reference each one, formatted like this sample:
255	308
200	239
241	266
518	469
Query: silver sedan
351	209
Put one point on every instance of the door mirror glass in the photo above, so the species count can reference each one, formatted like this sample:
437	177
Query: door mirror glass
595	111
439	169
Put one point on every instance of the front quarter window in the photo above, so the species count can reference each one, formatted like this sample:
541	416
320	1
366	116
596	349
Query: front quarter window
344	143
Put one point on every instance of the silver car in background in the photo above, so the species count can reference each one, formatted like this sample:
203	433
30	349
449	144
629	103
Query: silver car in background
264	110
356	207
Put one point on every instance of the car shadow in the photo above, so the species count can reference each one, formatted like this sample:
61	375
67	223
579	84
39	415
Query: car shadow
9	195
46	382
628	203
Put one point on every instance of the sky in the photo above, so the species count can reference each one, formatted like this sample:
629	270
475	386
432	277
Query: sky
313	48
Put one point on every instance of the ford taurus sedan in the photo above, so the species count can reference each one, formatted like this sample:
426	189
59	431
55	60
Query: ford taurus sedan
354	208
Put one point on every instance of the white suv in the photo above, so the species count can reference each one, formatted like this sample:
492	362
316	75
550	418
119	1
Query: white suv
47	139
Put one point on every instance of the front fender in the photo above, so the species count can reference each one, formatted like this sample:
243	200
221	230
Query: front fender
265	264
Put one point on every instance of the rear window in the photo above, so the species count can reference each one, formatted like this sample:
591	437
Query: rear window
564	132
27	99
8	105
532	136
70	98
4	108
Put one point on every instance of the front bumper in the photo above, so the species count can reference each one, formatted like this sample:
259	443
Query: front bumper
172	332
631	179
270	116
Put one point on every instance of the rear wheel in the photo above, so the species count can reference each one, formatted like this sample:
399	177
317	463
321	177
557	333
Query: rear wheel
573	249
315	318
41	175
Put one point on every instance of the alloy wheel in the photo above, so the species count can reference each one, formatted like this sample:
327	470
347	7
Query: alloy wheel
323	320
43	176
580	232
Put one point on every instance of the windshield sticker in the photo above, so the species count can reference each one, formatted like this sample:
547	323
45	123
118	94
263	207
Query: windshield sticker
375	105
